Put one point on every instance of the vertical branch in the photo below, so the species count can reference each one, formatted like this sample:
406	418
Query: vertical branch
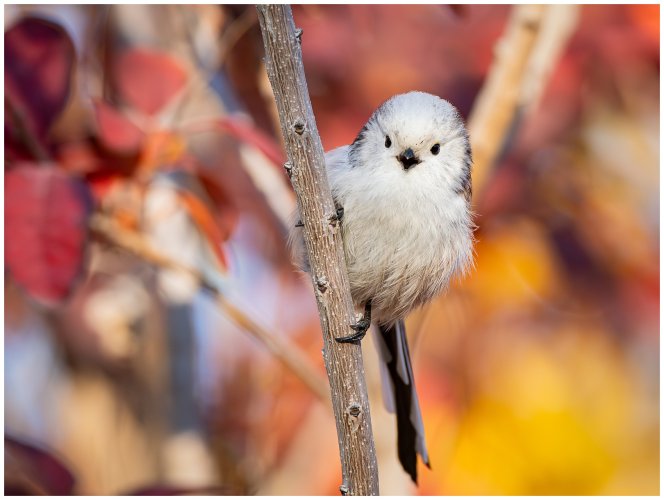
497	103
525	56
558	26
283	57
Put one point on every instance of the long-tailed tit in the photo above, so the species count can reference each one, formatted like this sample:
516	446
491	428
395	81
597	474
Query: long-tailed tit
403	188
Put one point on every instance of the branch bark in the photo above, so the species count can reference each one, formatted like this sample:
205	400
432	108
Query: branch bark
306	168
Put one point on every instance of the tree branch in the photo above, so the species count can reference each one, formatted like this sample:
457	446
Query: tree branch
289	354
496	105
324	247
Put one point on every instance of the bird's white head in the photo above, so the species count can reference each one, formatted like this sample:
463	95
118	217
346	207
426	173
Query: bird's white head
418	135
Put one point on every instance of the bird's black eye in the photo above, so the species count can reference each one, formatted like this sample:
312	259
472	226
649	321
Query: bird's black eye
435	149
388	141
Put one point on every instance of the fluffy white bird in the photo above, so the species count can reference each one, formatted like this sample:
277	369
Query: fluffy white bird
403	188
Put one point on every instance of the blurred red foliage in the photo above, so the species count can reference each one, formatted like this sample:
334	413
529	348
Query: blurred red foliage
125	144
46	212
30	470
148	80
117	132
39	57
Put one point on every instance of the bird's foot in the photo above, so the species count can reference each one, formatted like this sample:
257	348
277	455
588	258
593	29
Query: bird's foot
336	217
360	327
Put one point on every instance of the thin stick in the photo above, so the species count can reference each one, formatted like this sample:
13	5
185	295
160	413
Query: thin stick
289	354
234	32
497	102
283	59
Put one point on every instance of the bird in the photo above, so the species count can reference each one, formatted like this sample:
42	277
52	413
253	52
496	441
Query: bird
403	194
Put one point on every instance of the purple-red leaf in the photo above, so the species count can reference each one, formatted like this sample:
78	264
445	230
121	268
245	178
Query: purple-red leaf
46	213
147	80
38	65
32	471
116	131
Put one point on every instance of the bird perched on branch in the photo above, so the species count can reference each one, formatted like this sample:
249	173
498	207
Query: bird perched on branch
403	191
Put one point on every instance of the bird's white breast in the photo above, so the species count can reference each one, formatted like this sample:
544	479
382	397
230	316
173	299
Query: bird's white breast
405	233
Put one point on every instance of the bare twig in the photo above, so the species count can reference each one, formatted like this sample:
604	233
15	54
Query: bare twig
558	26
289	354
324	248
497	102
236	30
525	56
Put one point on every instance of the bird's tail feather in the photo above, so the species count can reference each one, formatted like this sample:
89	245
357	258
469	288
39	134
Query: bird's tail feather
400	396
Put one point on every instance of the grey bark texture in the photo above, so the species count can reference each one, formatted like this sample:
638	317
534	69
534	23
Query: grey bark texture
306	168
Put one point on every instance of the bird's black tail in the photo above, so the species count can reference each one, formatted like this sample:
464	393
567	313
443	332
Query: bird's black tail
400	396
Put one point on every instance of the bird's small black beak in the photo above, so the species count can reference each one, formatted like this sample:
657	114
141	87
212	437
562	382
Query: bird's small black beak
408	159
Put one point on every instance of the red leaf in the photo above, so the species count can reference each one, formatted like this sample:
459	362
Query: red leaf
38	65
79	157
116	131
207	224
147	80
210	208
46	214
30	470
101	183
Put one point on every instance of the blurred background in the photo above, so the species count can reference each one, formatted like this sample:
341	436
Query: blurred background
143	158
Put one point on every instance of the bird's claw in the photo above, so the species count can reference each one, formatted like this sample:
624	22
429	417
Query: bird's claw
336	217
360	327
